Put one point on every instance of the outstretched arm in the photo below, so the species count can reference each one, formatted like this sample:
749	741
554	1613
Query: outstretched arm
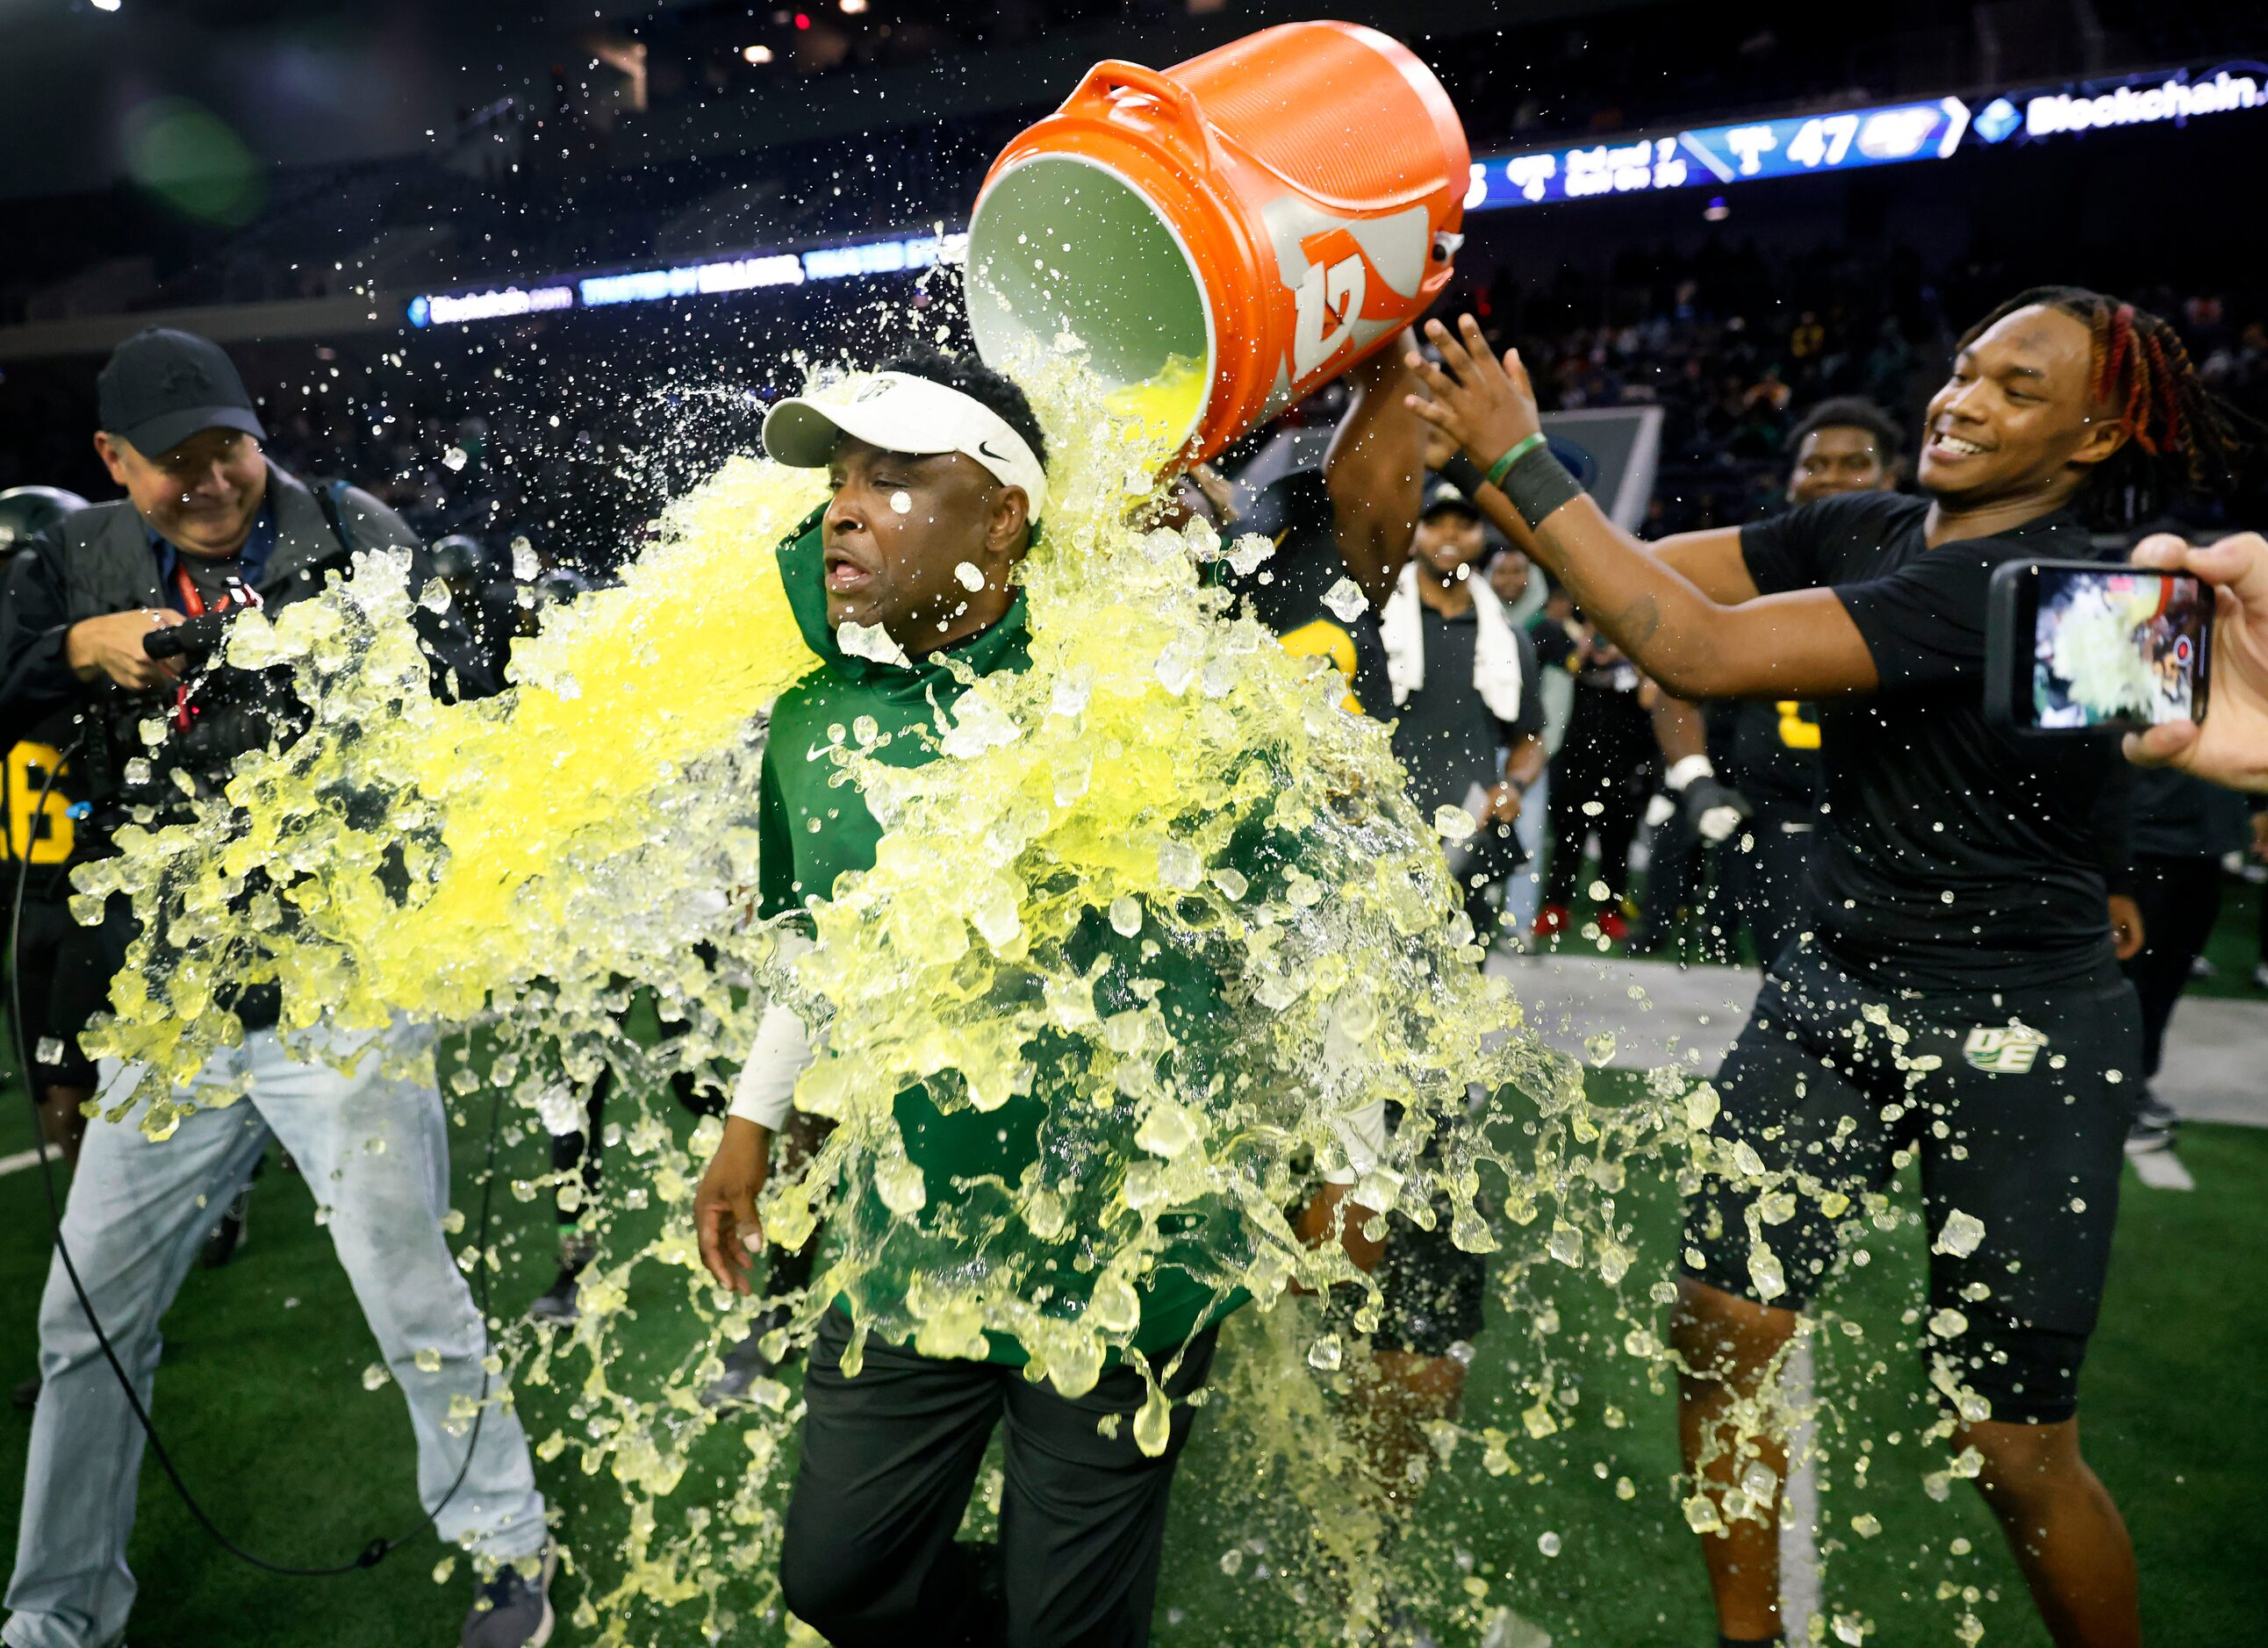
1677	609
1375	471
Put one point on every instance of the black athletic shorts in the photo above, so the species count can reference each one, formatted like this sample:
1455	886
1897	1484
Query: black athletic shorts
2020	1124
63	975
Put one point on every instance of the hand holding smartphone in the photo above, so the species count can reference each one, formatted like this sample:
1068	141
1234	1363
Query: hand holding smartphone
2083	646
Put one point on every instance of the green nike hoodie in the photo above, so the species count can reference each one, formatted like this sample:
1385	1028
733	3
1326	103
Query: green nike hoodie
812	831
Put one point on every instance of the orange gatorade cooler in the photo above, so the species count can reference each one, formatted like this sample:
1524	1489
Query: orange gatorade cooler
1225	236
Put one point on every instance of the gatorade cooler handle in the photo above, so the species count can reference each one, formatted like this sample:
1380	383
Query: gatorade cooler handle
1180	121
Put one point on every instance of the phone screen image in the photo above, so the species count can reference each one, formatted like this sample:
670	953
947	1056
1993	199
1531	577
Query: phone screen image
2116	648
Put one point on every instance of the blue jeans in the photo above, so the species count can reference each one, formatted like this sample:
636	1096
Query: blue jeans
374	1150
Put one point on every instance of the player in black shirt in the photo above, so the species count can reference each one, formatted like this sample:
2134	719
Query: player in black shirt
1958	1000
1768	749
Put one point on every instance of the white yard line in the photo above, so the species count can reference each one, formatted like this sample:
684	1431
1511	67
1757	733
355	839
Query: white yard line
1689	1015
1799	1551
17	1163
2162	1170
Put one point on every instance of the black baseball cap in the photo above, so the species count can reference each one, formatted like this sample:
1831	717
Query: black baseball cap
160	386
1444	495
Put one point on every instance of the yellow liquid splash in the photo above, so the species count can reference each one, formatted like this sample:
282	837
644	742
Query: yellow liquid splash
1165	766
1166	403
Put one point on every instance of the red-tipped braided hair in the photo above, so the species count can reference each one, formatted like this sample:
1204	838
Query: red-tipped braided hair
2180	435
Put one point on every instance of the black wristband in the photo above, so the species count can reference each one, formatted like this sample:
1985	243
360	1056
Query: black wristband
1463	473
1538	484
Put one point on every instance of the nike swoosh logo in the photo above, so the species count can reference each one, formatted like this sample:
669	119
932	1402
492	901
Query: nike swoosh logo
986	448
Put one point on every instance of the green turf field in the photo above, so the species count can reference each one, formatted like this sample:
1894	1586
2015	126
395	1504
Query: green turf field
261	1396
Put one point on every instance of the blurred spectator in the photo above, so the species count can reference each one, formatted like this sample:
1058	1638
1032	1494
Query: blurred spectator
1465	694
2181	826
1601	778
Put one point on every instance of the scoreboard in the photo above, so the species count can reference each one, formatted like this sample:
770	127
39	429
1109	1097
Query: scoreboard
1719	155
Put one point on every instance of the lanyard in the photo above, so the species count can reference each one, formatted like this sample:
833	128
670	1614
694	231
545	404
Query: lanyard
193	604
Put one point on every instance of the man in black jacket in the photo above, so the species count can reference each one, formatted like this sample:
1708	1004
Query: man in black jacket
208	527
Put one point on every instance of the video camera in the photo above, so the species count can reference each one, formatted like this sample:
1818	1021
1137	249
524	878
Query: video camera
219	713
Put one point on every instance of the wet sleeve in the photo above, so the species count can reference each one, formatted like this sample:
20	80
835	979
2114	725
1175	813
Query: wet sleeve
1360	1135
765	1091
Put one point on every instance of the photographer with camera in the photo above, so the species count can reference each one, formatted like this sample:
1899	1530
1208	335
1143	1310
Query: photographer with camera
92	624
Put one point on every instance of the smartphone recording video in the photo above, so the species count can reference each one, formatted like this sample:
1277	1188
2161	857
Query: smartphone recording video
2078	647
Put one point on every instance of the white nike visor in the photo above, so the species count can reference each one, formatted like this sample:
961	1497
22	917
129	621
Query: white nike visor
902	413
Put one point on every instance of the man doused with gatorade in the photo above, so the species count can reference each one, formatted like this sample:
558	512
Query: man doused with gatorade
1957	999
937	472
208	528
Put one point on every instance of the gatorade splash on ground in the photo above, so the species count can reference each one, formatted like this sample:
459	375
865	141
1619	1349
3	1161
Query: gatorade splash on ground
1163	770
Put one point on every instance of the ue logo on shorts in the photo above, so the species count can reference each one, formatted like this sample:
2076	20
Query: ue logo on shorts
2003	1049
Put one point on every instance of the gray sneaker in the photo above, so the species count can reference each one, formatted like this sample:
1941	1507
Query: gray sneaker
560	1305
2154	1127
744	1364
512	1607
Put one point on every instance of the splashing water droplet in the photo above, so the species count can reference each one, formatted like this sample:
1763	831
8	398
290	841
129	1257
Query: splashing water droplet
1153	1425
871	642
966	574
1345	599
1959	1236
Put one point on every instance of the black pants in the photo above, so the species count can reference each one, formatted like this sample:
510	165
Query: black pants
1771	876
2020	1125
582	1153
1606	768
889	1459
2180	900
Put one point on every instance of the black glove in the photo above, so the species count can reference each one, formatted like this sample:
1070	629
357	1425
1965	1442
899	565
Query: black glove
1712	807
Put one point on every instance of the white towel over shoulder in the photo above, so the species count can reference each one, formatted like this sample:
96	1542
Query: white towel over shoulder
1496	654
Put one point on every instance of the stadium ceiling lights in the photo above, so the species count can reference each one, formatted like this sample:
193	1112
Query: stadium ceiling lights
910	253
1716	157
